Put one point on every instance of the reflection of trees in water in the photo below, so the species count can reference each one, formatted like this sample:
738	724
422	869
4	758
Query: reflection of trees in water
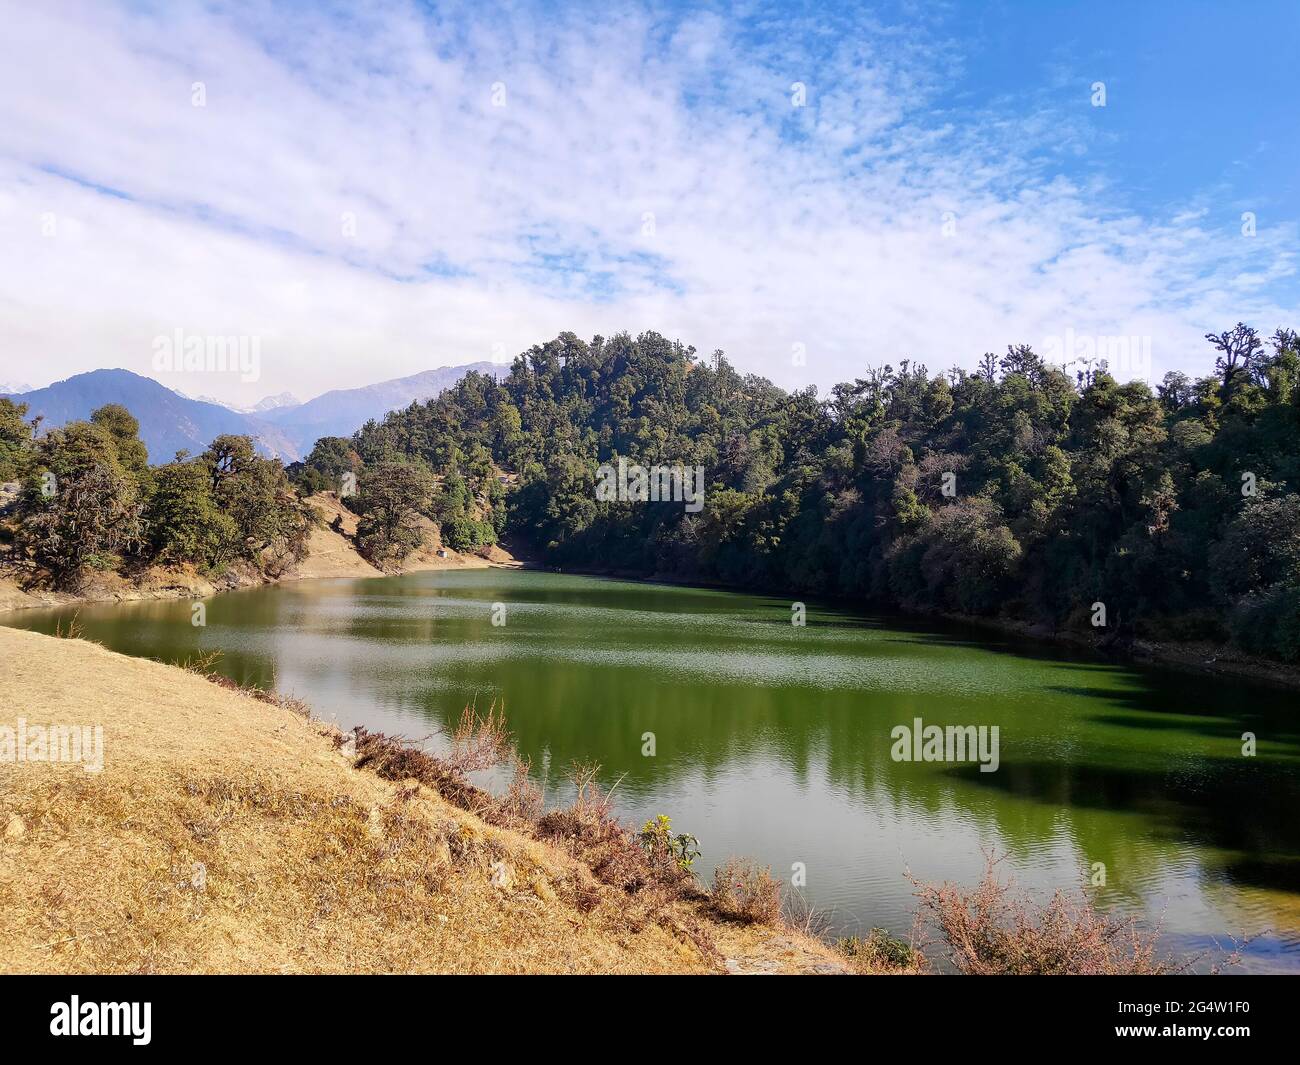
1159	746
1162	773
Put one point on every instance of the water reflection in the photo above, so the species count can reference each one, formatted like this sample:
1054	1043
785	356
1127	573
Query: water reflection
774	741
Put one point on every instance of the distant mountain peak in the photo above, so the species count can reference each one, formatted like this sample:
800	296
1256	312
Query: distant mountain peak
342	411
278	401
170	421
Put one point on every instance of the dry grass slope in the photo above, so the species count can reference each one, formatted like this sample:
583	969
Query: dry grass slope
229	834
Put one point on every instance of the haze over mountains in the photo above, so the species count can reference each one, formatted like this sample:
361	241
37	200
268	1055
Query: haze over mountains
282	427
343	411
283	399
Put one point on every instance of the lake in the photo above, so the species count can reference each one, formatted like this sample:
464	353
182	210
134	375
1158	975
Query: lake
774	741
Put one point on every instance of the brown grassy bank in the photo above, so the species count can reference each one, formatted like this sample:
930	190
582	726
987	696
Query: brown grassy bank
232	834
226	831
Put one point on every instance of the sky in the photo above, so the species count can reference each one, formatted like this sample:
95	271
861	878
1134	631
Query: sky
357	195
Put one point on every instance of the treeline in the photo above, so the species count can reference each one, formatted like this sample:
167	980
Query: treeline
89	501
1017	490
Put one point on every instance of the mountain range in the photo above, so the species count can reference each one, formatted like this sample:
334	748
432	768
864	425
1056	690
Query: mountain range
344	411
282	427
283	399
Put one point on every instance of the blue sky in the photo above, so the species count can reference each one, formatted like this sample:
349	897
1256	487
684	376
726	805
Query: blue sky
813	189
1202	95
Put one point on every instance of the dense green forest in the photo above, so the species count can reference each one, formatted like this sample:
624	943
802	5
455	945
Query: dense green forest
1017	490
1177	509
90	501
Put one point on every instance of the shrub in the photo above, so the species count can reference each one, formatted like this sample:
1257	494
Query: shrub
523	801
991	930
479	742
590	831
1268	623
468	534
881	952
742	891
392	759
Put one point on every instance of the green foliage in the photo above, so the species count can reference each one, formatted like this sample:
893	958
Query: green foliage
1260	548
1069	488
124	431
15	440
270	523
879	951
468	534
79	507
392	497
323	469
91	502
657	839
1268	622
1018	490
183	520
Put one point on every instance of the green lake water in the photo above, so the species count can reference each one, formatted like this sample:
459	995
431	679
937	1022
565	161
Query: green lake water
774	741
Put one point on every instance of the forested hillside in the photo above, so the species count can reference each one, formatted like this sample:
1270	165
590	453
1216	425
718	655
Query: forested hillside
1016	490
1074	502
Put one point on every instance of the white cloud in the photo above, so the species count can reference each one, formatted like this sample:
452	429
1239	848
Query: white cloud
772	225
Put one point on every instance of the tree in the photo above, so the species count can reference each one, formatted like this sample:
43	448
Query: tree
1064	489
228	456
323	470
184	524
1021	359
80	507
271	523
1259	549
468	534
1175	391
1237	349
124	430
393	496
15	440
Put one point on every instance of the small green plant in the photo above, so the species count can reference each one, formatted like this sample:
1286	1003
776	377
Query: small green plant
657	838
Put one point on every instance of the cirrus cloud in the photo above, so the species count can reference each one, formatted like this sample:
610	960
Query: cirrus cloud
374	194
